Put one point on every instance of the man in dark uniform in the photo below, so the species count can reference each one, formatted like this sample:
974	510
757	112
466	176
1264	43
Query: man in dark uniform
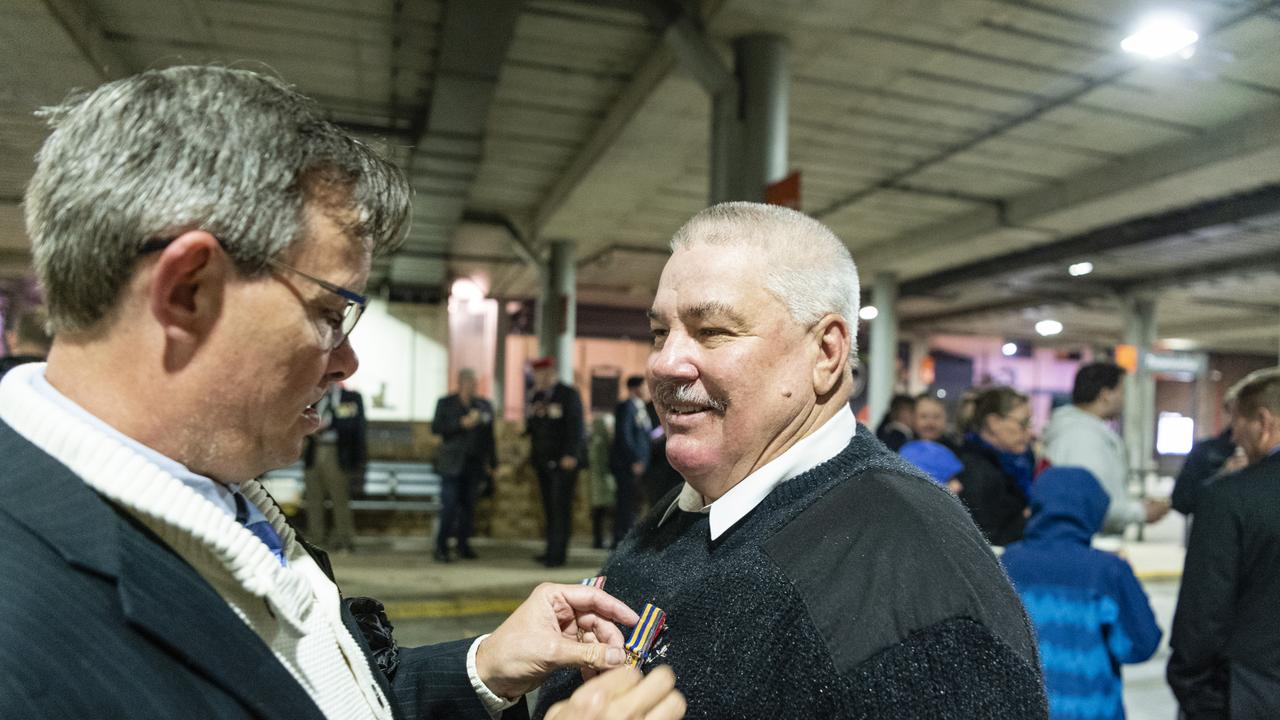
26	339
335	461
555	432
466	457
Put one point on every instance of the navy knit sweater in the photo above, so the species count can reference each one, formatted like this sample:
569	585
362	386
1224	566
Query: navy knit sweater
859	589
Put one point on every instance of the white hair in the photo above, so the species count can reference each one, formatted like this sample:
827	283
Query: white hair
809	269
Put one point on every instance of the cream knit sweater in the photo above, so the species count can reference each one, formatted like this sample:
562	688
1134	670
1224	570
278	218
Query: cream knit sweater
294	609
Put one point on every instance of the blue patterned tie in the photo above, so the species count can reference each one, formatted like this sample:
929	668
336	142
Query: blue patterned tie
260	527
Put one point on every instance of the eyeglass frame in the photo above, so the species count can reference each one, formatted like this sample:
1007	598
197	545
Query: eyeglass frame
355	301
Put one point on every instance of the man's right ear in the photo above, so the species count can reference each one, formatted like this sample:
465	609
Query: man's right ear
186	289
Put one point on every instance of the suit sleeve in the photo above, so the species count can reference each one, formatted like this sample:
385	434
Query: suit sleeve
1136	635
1206	608
431	683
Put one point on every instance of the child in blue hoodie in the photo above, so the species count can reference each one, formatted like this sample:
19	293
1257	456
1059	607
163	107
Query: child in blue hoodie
1089	610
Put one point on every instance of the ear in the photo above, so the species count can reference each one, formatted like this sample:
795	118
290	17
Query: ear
833	345
186	290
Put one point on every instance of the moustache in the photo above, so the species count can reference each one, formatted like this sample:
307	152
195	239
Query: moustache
667	394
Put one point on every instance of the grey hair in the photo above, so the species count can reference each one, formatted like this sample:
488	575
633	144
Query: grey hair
238	154
809	268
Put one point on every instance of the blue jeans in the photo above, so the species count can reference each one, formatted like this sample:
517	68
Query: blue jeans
458	505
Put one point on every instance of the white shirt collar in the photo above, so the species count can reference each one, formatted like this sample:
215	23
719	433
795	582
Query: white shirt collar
811	451
215	492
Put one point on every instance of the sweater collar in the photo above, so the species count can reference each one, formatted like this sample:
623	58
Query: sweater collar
122	474
811	451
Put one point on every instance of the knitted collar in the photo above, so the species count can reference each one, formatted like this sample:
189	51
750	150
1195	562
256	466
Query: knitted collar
172	509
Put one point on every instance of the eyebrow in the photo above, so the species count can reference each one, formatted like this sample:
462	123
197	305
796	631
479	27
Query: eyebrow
704	310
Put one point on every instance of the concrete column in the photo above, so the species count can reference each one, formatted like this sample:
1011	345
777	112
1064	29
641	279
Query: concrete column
749	121
557	309
765	89
500	360
882	365
1140	389
726	140
919	351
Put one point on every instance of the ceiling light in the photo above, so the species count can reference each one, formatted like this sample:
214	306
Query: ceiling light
1048	327
466	289
1160	36
1009	349
1080	268
941	393
868	312
1178	343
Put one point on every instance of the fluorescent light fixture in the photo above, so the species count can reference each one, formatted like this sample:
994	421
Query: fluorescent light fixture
1080	268
868	312
1160	36
1048	327
1009	349
1178	343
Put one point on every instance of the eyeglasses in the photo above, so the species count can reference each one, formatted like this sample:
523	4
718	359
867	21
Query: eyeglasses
338	325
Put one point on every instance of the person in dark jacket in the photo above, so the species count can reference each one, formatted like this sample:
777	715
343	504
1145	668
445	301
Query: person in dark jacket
894	429
1226	642
996	463
466	458
1090	612
26	338
629	455
556	434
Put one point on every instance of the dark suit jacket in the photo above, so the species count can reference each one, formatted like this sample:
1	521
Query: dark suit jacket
460	443
353	433
630	439
1225	640
99	618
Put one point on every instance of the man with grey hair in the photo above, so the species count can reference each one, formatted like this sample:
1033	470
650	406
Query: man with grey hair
804	569
204	236
1225	643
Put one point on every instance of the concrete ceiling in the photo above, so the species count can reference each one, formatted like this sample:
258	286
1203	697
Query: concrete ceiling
929	135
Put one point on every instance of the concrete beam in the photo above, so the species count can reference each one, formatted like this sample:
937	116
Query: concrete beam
1250	134
684	43
1227	210
86	33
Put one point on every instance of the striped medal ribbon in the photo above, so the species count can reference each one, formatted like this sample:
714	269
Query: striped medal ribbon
595	582
652	620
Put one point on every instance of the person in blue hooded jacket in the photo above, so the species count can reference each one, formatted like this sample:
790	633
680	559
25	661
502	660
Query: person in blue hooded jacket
1089	610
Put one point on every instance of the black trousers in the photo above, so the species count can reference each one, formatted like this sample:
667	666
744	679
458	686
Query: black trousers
458	505
557	505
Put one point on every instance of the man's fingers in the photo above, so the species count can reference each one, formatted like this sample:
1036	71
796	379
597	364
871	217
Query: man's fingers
672	707
647	696
596	629
592	655
591	701
585	599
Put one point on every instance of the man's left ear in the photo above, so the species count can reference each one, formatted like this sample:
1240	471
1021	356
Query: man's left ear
833	345
186	287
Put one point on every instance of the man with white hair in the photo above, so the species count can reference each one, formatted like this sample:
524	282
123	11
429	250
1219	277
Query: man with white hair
204	237
805	570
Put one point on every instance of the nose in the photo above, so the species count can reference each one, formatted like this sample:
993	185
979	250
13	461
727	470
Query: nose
342	362
675	360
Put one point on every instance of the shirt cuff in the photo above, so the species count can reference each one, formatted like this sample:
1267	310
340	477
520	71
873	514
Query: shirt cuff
494	704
